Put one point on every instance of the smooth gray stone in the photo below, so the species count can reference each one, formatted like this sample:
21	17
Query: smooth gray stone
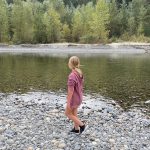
77	147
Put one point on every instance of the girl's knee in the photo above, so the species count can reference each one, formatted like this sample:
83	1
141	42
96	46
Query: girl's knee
68	113
74	111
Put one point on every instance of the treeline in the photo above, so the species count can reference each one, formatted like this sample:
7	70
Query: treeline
48	21
73	3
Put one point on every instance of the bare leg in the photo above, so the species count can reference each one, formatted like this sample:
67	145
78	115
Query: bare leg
74	111
69	114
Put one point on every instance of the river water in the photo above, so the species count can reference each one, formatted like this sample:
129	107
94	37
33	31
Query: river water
123	78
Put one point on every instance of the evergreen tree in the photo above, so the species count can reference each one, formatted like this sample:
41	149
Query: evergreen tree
131	21
76	3
147	21
9	1
137	15
141	18
123	17
115	20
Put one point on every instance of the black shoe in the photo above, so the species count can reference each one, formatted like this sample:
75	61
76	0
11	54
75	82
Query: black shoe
82	128
74	131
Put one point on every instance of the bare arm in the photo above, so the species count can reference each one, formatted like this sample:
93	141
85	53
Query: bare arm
69	95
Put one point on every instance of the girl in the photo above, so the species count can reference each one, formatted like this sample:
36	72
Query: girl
75	94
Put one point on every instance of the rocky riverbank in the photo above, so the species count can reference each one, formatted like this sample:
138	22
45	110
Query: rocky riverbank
36	121
70	48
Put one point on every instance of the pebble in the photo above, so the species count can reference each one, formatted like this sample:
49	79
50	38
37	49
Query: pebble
97	140
94	143
112	141
42	124
48	119
55	142
30	148
77	147
61	145
2	130
92	138
147	102
10	141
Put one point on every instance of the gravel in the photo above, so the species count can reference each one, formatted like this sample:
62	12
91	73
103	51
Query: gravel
27	123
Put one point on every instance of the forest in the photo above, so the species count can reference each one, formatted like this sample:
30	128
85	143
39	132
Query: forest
80	21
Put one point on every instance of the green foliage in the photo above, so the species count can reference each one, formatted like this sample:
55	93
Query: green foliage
129	20
22	20
134	38
76	3
58	5
89	25
3	21
39	27
87	16
77	25
9	1
86	21
53	25
137	14
147	22
66	33
114	19
100	21
81	22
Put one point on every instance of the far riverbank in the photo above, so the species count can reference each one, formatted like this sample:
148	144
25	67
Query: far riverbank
71	48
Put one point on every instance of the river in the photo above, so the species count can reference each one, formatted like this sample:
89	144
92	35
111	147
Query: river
123	78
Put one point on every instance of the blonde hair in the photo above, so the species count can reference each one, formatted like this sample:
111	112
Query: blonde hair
74	63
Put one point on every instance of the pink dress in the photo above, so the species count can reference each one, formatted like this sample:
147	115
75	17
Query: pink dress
75	83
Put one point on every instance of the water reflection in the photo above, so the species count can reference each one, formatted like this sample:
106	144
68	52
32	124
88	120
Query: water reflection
124	78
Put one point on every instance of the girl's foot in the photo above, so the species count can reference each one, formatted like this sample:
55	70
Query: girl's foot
82	128
74	130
